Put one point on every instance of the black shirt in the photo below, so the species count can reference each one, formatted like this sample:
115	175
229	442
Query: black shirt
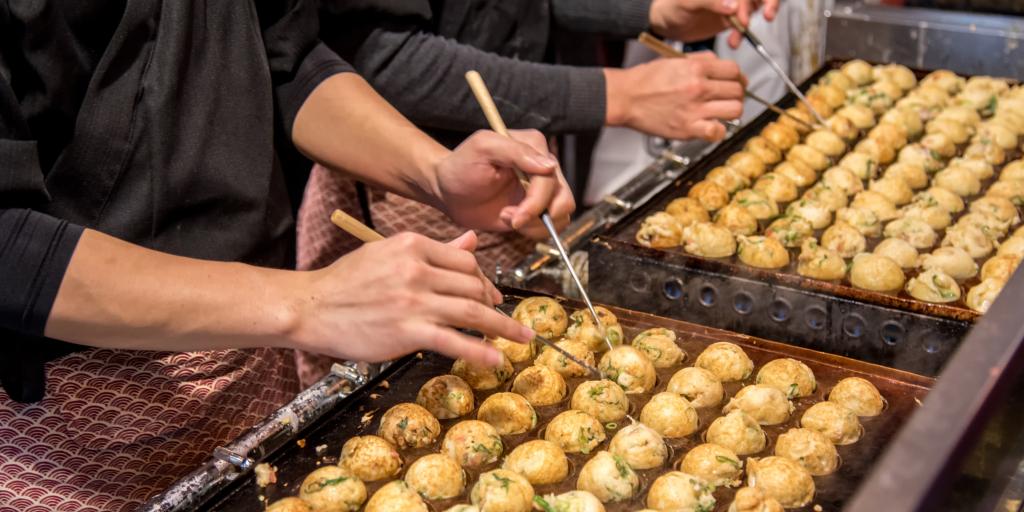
151	121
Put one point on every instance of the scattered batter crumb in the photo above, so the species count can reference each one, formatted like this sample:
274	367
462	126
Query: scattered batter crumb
261	497
384	384
320	449
917	401
301	443
367	418
419	355
265	474
374	396
817	508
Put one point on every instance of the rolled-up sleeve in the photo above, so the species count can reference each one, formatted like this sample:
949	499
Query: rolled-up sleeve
618	18
298	61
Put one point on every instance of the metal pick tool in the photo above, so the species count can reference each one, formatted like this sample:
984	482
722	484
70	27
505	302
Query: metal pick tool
550	344
483	96
761	50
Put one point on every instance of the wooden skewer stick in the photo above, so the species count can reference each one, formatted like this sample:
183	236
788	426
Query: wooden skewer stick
352	226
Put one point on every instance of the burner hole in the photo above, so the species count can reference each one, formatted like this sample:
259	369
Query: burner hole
640	282
892	333
779	310
673	289
708	295
853	326
932	343
815	317
743	303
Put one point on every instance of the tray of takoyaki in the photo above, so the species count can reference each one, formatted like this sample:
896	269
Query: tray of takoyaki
909	197
687	418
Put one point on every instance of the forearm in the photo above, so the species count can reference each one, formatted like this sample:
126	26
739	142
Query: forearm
118	295
345	125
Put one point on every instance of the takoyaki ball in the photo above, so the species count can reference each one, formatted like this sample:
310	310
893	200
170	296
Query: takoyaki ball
762	252
670	415
954	131
698	386
369	458
930	95
738	432
332	489
582	328
571	501
837	78
446	397
409	425
988	83
858	395
877	150
810	156
933	286
970	238
887	87
1013	246
859	71
799	172
781	479
609	478
987	152
957	180
508	413
396	496
814	212
660	230
728	178
561	364
862	219
687	211
628	367
818	262
982	295
436	477
678	491
945	79
747	164
1013	171
763	149
291	504
736	219
709	195
757	203
726	361
501	490
575	432
832	199
880	205
898	250
540	385
844	239
809	448
940	144
752	499
837	423
914	230
923	110
819	105
949	201
911	174
766	404
790	231
917	154
832	95
960	113
541	462
780	135
515	352
876	273
978	99
776	186
862	117
463	508
640	446
472	443
897	74
659	345
790	376
871	97
906	117
998	134
708	240
826	143
843	127
894	189
602	399
483	377
716	465
997	207
1000	267
791	119
1012	190
991	226
542	314
842	179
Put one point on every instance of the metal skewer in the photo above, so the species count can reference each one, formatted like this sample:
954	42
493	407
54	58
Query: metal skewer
658	46
366	234
483	96
763	52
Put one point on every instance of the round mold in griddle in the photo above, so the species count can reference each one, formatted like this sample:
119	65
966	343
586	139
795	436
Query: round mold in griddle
640	282
815	317
779	310
672	289
743	303
708	295
854	325
892	333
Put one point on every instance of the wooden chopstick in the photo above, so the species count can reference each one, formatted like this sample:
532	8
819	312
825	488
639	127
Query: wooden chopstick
352	226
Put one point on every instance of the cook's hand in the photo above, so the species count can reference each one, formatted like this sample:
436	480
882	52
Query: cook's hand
400	295
676	98
696	20
478	189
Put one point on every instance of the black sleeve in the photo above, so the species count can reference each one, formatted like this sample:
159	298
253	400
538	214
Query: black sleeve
298	61
619	18
423	75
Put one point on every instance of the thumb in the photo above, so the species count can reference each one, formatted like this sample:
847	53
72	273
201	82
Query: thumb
466	241
527	159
